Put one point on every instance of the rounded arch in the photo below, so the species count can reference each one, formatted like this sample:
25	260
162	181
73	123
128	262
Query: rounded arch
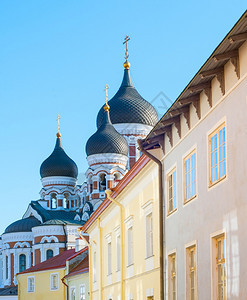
21	245
53	200
49	239
49	253
85	216
102	181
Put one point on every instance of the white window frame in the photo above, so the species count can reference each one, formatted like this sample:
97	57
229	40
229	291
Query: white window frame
94	266
72	288
51	281
109	254
82	297
28	284
171	173
212	133
186	157
130	246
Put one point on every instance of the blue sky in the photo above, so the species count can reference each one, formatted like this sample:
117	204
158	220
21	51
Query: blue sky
56	57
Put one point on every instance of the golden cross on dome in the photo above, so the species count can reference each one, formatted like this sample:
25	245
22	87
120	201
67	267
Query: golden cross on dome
58	124
106	93
106	107
126	39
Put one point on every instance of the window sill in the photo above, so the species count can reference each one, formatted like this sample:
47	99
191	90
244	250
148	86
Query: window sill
171	212
189	200
148	257
130	265
211	184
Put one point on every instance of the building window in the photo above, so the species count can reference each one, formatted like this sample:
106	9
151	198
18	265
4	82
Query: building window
53	201
6	267
82	292
72	293
130	246
221	267
94	266
190	176
102	182
22	262
118	253
191	272
54	282
49	254
172	191
217	148
109	259
30	284
172	276
149	235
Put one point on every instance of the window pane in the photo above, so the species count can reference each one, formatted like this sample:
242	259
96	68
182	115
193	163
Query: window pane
174	190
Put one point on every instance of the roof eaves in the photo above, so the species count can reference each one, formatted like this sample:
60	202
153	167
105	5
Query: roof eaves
241	19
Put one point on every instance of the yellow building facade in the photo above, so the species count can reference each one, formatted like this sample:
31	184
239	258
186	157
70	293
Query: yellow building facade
41	285
124	259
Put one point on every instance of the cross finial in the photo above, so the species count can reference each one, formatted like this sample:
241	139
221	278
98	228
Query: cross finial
126	39
106	107
58	126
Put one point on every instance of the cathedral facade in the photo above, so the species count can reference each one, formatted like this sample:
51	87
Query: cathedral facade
49	225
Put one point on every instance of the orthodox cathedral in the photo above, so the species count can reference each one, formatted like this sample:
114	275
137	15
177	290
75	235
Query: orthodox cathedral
49	225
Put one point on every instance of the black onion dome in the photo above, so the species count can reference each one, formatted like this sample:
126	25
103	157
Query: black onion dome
128	106
58	163
106	139
23	225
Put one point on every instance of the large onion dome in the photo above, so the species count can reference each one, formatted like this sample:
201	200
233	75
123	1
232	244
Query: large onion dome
128	106
23	225
58	163
106	139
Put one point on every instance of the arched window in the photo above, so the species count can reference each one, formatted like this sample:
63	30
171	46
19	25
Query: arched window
102	182
90	184
66	201
22	262
49	253
53	201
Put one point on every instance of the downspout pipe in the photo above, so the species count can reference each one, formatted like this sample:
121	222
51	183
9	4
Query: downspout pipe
100	258
161	217
67	287
90	262
108	194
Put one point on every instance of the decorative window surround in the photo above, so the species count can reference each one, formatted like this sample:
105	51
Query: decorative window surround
31	284
54	281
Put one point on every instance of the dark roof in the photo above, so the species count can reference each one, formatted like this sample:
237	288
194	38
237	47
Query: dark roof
47	215
55	262
23	225
63	222
106	139
128	106
10	291
82	267
58	163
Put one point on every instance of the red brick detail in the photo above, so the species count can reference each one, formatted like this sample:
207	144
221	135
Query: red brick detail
48	202
87	198
132	150
95	196
132	162
95	185
37	256
109	184
60	203
72	203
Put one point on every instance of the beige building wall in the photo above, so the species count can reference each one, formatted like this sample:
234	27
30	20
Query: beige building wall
216	210
76	282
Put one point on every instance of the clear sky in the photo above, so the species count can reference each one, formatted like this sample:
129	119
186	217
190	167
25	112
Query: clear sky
56	57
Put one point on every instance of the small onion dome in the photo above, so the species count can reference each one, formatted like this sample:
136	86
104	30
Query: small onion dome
128	106
23	225
58	163
106	139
